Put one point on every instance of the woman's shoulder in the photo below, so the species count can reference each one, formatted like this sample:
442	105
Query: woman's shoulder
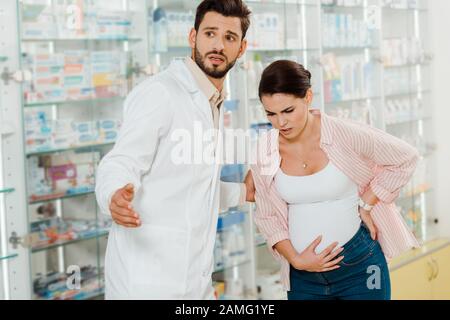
341	127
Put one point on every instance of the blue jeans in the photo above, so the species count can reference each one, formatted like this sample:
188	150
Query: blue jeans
363	274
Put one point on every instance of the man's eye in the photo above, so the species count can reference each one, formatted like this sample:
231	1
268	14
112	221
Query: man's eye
230	38
209	34
270	114
289	111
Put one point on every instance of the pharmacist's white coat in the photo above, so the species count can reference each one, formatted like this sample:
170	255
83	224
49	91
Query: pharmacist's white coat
171	255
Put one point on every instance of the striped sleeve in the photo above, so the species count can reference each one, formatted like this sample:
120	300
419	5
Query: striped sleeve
268	223
396	160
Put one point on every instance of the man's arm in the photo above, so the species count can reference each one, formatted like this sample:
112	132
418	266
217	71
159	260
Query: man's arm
147	118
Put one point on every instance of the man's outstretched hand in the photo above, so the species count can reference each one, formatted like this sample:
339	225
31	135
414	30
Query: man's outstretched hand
121	208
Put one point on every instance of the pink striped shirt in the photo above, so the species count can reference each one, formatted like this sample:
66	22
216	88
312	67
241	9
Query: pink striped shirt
368	156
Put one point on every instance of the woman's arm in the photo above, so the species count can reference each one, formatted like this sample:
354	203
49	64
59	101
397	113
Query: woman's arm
396	160
271	226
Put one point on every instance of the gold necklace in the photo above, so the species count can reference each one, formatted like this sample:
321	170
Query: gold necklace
305	165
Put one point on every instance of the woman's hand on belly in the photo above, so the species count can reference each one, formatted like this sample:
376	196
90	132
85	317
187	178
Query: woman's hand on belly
309	261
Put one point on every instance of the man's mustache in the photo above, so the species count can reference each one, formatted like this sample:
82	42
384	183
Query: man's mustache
217	54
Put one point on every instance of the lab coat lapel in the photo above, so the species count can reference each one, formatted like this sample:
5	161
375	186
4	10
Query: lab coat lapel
218	158
184	77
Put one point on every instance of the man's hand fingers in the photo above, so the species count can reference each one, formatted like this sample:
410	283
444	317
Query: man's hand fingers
126	221
128	191
123	212
122	203
127	225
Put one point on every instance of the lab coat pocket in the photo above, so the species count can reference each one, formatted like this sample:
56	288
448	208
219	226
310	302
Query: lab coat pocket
158	267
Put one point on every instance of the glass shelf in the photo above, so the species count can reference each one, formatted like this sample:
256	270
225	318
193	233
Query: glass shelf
387	8
77	102
415	194
53	197
335	6
260	244
84	296
234	265
67	242
408	121
410	93
281	49
9	256
407	65
281	2
81	39
7	190
75	148
355	48
352	100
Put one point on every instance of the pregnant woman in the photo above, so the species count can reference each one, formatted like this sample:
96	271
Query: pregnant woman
325	192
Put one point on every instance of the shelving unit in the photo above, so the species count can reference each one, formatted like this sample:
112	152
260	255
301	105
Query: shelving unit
79	80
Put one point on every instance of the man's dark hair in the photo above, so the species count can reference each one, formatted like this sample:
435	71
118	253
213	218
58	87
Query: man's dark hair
227	8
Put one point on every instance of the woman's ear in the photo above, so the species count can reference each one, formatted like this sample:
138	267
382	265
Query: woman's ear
309	97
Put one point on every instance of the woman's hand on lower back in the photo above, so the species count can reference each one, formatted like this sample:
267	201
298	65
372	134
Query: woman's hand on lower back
368	221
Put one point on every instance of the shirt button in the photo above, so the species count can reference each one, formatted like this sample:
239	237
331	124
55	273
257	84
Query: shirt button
205	273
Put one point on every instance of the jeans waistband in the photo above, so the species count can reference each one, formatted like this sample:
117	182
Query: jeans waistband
362	236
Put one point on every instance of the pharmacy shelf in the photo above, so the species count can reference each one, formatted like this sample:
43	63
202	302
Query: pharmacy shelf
7	190
352	100
234	265
73	102
281	2
356	48
121	40
94	294
409	121
88	147
333	7
416	193
59	196
84	296
68	242
407	93
281	49
8	257
407	65
422	10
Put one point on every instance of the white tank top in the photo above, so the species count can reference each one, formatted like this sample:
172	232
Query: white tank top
324	203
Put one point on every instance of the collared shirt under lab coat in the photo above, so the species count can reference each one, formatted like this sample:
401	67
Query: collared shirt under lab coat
170	256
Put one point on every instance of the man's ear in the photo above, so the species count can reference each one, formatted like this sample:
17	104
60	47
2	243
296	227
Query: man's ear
192	38
243	48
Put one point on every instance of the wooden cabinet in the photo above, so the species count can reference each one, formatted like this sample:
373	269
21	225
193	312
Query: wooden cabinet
441	281
425	278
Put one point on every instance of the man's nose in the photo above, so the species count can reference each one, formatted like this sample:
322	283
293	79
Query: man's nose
218	45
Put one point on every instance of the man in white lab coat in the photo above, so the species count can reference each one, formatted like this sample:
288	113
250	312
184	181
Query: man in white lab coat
165	212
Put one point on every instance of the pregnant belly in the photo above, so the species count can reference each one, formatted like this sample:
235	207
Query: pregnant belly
334	221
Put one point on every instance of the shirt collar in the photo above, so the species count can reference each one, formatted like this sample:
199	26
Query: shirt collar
205	85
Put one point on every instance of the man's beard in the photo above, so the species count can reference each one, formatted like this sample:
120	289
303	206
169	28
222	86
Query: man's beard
213	72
